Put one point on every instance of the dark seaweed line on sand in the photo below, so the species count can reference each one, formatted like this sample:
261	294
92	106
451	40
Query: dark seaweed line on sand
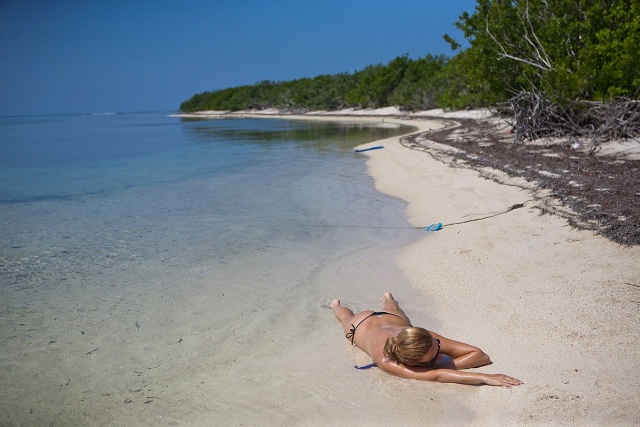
600	192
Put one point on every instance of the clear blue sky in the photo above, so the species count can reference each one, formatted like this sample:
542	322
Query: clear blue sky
81	56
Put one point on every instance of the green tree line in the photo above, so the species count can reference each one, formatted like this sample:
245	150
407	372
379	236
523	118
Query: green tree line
403	81
565	49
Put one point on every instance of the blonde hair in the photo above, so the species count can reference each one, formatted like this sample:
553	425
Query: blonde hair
409	346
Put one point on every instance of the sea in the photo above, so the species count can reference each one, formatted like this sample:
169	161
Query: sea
81	193
126	239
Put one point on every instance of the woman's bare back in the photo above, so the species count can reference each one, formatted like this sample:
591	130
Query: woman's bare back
370	329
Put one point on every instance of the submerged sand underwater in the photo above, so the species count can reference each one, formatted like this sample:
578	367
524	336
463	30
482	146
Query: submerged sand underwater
199	300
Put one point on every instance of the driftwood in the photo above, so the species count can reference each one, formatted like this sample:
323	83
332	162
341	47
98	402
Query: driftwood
535	116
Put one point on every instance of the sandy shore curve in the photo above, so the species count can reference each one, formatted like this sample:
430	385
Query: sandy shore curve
553	306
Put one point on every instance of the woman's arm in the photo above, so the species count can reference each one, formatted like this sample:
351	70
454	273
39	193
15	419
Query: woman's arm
474	378
464	355
448	375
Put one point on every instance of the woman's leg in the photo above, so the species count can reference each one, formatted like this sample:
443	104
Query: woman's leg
343	314
391	305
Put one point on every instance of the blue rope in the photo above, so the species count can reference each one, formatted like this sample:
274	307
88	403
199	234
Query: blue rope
371	365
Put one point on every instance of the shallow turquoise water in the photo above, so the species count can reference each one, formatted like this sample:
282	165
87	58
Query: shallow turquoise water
148	260
81	194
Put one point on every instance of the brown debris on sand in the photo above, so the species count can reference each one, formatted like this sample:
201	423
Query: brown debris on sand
597	192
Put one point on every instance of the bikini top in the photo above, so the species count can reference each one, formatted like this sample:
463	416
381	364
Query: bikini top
352	331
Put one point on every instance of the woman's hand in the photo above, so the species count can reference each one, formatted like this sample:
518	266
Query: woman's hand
500	380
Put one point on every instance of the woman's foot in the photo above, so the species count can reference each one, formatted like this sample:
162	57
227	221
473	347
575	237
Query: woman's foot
343	314
390	303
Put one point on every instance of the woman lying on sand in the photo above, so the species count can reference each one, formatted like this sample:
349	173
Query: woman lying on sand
412	352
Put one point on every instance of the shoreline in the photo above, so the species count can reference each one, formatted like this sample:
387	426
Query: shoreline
552	305
539	297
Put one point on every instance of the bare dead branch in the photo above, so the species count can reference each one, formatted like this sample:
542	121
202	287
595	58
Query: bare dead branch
539	57
535	116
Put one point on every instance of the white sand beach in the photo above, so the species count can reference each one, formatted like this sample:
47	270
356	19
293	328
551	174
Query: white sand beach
553	306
